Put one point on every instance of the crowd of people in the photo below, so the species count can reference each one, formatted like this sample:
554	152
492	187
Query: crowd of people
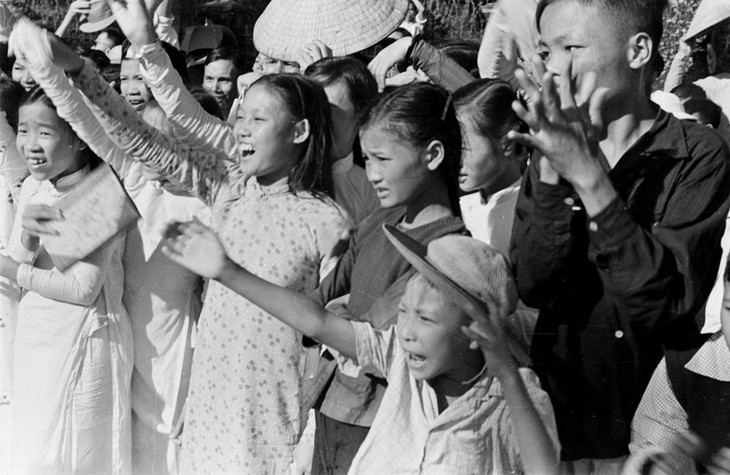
369	252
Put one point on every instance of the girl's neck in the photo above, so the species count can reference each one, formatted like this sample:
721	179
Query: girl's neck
69	171
433	204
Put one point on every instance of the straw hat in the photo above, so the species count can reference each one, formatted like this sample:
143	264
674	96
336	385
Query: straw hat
99	17
467	271
710	13
346	26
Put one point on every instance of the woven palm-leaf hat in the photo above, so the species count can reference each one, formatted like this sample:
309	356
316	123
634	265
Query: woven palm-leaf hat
709	14
346	26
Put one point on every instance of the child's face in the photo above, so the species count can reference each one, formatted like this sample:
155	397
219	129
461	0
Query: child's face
21	74
265	131
397	170
429	331
570	29
132	85
50	148
482	161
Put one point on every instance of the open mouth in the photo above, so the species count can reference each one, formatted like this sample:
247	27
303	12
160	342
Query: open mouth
36	161
415	361
245	150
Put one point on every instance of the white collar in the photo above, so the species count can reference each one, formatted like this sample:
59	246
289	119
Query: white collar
712	359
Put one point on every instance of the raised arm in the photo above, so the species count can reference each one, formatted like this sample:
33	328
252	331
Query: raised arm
191	122
197	248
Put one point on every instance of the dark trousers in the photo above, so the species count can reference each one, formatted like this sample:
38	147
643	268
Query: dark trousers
335	445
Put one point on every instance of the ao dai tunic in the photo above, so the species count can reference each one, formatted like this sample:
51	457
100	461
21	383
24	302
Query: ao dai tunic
243	410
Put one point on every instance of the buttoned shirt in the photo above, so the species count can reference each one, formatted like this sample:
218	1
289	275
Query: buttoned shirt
615	288
474	434
660	417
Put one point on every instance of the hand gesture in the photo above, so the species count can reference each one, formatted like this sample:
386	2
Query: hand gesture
489	333
134	17
311	53
387	58
194	246
79	7
565	125
681	456
37	221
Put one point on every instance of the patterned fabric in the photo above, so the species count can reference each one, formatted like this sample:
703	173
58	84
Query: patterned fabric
474	435
243	410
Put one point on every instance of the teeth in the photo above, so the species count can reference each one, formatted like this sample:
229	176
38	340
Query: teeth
416	357
36	161
245	149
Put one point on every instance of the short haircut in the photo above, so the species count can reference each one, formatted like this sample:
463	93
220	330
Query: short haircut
689	90
113	34
634	16
709	112
361	85
207	102
228	53
11	93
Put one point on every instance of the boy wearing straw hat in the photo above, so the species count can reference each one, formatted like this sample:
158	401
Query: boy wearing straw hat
448	408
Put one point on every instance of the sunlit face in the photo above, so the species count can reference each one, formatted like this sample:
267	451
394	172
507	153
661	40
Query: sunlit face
266	134
132	85
47	143
397	170
572	30
21	74
483	162
429	331
219	81
344	118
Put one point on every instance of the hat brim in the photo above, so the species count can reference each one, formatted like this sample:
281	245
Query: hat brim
416	254
709	14
93	27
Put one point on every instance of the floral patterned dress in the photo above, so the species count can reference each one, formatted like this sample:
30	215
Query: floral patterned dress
243	410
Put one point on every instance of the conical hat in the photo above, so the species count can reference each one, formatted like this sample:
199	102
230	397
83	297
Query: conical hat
99	17
710	13
346	26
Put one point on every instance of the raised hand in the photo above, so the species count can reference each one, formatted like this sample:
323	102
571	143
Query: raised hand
196	247
134	17
566	126
387	58
312	52
37	221
35	47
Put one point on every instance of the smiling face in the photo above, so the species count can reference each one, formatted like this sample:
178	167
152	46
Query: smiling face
267	135
344	118
591	39
219	81
47	143
429	331
397	170
21	74
132	85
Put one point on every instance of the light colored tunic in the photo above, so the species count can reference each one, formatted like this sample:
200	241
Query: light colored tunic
243	410
73	355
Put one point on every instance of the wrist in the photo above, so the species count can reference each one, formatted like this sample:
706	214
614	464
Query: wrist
596	193
228	271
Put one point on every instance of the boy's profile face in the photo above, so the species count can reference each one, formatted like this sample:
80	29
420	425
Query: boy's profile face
583	34
429	331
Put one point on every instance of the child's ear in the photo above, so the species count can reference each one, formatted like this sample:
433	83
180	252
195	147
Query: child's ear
301	131
640	50
434	154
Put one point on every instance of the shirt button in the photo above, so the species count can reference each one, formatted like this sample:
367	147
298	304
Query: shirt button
619	334
569	201
593	226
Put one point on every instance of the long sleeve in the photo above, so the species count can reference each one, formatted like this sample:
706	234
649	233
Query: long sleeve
202	173
71	106
191	123
443	70
658	420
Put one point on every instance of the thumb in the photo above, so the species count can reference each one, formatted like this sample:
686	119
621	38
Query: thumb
595	110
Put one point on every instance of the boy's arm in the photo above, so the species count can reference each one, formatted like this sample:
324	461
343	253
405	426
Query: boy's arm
197	248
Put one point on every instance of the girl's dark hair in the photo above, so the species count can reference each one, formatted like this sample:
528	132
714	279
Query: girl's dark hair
11	93
361	85
463	52
419	113
303	98
487	104
37	94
